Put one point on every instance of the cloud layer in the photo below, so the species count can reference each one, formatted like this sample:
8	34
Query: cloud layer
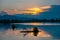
33	10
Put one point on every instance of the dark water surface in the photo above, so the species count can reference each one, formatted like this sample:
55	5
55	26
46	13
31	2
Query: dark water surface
54	30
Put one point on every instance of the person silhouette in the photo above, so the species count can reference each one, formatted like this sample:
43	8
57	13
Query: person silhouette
13	27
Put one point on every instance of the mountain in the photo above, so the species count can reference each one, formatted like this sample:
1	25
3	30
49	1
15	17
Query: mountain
2	13
52	13
5	16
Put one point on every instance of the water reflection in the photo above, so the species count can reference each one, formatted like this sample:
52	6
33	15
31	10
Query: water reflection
36	23
51	28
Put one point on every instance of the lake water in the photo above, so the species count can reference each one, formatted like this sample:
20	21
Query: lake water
52	29
29	25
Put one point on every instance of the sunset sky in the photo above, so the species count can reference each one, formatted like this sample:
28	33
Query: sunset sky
22	4
26	6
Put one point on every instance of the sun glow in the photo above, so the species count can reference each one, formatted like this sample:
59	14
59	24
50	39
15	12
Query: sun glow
34	10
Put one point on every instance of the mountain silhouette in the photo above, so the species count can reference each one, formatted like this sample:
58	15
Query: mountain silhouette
52	13
2	13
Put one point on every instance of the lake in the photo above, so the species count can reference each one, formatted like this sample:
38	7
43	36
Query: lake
52	29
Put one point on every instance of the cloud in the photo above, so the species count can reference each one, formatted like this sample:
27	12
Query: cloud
35	10
45	7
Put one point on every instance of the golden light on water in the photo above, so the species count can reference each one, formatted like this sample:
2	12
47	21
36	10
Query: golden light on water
41	34
34	24
17	32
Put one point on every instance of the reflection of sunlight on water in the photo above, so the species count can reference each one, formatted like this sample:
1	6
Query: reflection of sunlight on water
16	35
17	32
11	32
43	34
37	23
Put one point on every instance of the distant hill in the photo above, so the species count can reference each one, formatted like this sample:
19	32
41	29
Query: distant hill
52	13
2	13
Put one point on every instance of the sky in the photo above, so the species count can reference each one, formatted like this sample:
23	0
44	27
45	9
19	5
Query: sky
22	4
26	6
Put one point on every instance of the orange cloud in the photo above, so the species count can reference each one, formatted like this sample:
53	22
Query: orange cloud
33	11
45	7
